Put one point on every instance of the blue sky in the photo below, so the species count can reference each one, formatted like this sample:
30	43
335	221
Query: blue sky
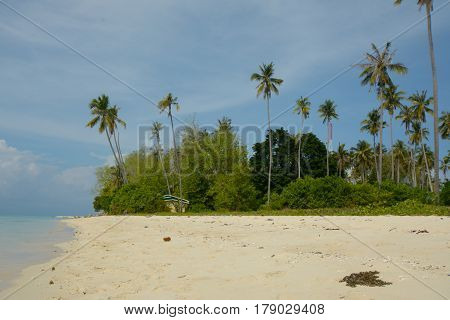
202	51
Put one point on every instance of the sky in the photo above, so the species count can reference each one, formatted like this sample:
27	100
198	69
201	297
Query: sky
204	52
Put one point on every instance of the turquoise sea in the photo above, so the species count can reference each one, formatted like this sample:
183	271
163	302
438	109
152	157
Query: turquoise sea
28	240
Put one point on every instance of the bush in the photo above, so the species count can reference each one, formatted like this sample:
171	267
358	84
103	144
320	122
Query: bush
102	203
445	194
367	195
328	192
144	196
403	192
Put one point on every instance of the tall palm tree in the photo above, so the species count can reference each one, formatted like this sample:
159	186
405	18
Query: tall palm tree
400	153
417	135
419	105
116	121
376	74
167	104
371	125
107	119
445	164
302	107
444	127
156	129
406	116
392	99
362	154
327	111
267	85
429	7
342	158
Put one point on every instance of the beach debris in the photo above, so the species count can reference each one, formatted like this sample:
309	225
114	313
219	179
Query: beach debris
145	227
365	278
167	239
419	231
332	229
272	256
260	247
183	276
53	268
51	282
391	229
269	219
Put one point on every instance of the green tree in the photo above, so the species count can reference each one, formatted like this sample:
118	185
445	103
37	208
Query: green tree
302	108
376	74
167	104
107	119
416	136
343	158
419	105
267	85
362	154
392	100
429	8
400	152
371	125
444	127
406	116
327	112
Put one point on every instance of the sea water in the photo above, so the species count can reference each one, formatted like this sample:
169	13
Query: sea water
28	240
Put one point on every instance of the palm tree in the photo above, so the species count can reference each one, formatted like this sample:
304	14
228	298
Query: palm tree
107	119
362	154
371	125
400	153
376	73
429	7
445	164
267	85
416	137
444	127
392	99
302	107
167	104
419	105
327	111
406	116
114	114
156	129
342	158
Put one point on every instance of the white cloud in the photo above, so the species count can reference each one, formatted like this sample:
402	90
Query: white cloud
82	178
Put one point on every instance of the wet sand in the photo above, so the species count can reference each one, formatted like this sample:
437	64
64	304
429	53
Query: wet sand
244	258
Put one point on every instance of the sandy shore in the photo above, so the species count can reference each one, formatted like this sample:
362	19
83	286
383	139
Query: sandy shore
244	258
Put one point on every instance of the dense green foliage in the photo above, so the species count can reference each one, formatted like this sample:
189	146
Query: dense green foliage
445	194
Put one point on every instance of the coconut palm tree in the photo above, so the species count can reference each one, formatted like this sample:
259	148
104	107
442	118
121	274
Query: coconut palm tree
406	116
114	114
400	153
343	157
267	85
419	105
376	74
107	119
445	164
156	129
371	125
362	154
392	100
417	135
327	111
444	127
429	7
302	108
167	104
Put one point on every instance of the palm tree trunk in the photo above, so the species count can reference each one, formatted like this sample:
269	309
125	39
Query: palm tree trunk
270	152
119	153
392	152
413	171
426	162
375	157
380	160
177	159
114	153
435	100
398	171
161	159
328	147
299	149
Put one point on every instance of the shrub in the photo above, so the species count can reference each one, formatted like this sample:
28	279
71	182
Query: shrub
445	194
366	195
144	196
402	192
102	203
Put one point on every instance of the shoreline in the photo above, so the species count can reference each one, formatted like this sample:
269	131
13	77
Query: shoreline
226	257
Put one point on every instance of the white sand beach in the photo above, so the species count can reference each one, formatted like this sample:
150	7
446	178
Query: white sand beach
244	258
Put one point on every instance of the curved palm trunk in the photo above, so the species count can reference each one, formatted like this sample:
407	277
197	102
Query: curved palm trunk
426	161
392	151
270	152
299	149
435	100
119	153
114	152
161	159
177	159
380	160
